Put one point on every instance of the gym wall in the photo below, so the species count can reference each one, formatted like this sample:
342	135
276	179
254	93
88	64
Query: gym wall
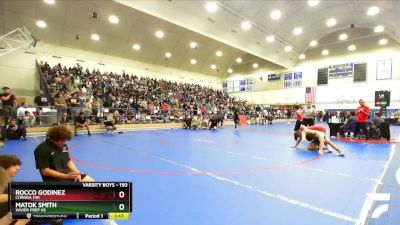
339	93
17	69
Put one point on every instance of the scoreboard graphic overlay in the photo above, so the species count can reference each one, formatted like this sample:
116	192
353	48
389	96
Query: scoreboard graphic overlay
62	200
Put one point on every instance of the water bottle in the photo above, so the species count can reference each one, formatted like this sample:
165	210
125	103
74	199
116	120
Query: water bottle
351	134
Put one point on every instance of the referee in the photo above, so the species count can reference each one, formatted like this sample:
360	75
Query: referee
309	113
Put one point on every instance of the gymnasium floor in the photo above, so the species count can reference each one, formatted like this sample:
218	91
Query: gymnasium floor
246	177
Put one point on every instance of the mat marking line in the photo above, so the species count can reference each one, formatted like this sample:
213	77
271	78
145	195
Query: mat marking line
280	197
367	206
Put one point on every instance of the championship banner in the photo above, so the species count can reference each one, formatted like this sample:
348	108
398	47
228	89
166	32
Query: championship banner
288	80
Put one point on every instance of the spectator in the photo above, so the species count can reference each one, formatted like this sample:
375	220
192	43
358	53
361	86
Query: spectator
195	122
87	107
327	116
9	167
13	131
95	110
61	106
129	116
8	100
41	101
203	109
73	103
80	122
204	122
362	114
289	113
24	116
117	116
187	122
320	115
52	158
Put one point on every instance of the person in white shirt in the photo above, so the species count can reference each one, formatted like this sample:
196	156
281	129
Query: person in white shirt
309	115
25	117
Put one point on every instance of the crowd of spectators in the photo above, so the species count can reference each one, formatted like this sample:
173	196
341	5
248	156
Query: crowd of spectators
129	97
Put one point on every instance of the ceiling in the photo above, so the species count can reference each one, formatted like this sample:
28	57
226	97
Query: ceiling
186	21
225	24
65	19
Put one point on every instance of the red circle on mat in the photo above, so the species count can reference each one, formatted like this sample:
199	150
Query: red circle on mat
193	171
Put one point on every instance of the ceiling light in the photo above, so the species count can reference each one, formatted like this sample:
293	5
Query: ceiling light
239	60
343	36
213	66
211	6
113	19
288	48
313	3
276	14
313	43
230	70
193	61
136	47
168	55
95	37
383	41
159	34
41	24
270	39
325	52
218	53
193	45
379	29
51	2
373	10
246	25
302	56
297	31
331	22
255	65
351	47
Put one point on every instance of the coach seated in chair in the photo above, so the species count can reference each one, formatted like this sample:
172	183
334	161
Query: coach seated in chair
349	126
379	128
13	132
